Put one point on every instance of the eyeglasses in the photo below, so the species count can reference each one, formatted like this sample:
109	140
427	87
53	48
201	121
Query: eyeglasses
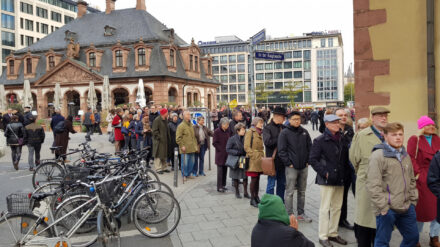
295	119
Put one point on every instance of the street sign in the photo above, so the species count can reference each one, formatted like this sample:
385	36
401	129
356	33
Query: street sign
269	55
260	36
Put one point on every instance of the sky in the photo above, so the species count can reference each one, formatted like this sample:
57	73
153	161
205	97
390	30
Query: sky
203	20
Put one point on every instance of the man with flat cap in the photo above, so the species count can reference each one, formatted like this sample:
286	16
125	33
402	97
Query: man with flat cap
360	151
27	115
270	139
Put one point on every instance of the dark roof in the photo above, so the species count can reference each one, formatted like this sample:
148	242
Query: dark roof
130	25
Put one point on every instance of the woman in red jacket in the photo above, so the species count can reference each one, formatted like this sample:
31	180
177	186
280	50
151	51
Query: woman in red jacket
422	149
117	124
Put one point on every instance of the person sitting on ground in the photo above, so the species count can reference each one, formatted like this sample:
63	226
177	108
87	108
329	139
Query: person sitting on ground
275	227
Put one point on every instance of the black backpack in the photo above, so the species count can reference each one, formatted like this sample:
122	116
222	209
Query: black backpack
59	127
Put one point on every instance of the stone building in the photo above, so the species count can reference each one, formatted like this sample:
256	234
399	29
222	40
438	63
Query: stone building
125	45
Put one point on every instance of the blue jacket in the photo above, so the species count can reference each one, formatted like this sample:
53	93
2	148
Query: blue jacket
131	128
56	119
97	117
139	127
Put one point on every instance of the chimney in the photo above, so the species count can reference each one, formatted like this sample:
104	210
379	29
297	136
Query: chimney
109	6
82	8
140	5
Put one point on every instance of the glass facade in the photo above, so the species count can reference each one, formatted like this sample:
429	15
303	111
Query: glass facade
8	38
327	69
8	5
8	21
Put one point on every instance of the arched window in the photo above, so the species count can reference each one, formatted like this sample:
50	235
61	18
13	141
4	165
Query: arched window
92	59
11	67
172	58
118	55
29	65
141	57
51	62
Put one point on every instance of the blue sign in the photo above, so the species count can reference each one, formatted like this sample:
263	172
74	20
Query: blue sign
269	55
260	36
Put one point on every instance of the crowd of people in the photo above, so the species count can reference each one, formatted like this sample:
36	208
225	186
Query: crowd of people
393	186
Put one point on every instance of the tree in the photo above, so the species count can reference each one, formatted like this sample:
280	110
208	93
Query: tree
349	92
291	89
262	93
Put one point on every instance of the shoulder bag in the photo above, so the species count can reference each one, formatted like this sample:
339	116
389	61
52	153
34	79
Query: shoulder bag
268	164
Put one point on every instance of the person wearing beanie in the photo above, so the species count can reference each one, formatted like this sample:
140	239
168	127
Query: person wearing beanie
161	141
421	149
275	227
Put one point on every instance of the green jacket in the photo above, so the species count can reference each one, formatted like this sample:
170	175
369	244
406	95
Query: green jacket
360	152
185	137
161	138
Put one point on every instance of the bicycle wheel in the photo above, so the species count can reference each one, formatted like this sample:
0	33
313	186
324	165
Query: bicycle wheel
151	175
46	188
46	173
157	185
86	235
13	229
156	214
108	230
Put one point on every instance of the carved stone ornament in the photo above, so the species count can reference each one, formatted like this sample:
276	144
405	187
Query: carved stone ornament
70	74
72	49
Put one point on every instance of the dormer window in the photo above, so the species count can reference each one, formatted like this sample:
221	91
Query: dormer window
191	62
209	67
196	63
172	58
109	31
118	55
28	65
51	62
92	59
141	57
11	67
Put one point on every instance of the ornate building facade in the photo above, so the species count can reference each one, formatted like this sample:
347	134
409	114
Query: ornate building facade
125	45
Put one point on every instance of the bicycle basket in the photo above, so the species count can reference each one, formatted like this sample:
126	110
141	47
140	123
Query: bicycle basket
74	174
18	203
107	192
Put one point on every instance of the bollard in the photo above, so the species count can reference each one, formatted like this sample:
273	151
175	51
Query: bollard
176	166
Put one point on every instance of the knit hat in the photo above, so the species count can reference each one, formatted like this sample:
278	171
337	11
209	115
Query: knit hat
271	207
424	121
163	111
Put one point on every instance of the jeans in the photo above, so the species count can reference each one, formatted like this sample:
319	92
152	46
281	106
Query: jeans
315	123
200	161
16	153
434	228
140	142
34	149
296	177
405	223
188	164
148	142
97	128
126	142
280	180
89	130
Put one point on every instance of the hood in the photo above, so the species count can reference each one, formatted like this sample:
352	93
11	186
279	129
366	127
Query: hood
271	207
390	152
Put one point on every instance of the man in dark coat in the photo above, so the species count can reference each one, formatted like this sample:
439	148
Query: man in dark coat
161	140
27	115
56	118
220	139
321	114
433	180
34	140
237	117
153	114
347	133
275	227
270	139
329	158
294	145
172	124
62	139
314	117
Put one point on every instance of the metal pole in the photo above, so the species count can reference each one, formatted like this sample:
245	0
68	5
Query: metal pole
176	166
251	78
430	18
208	115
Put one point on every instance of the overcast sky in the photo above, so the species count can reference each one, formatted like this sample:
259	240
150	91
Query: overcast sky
206	19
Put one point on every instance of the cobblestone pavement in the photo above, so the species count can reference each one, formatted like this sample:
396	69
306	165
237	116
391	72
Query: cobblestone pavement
210	218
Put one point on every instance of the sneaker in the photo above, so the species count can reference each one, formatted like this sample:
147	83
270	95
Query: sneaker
304	218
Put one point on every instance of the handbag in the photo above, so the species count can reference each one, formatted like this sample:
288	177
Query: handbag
232	161
268	164
248	159
111	137
20	140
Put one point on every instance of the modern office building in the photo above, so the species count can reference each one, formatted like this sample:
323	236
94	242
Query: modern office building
24	22
311	75
230	59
